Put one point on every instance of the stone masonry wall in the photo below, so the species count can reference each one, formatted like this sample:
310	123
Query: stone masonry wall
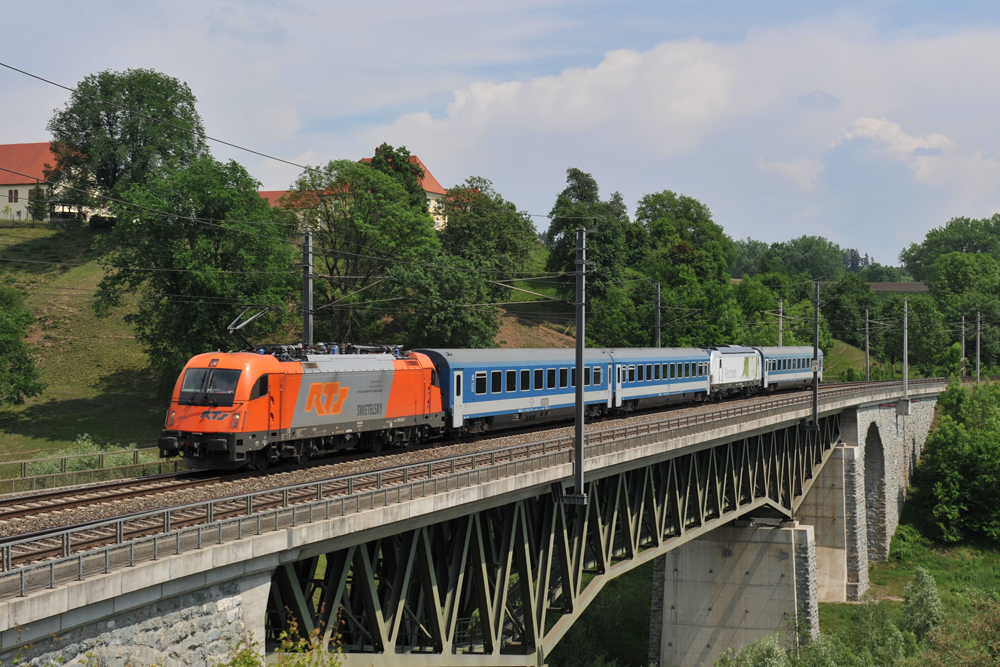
874	498
656	609
806	583
195	629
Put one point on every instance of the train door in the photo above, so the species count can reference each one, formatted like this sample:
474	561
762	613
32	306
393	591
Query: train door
457	401
274	386
619	369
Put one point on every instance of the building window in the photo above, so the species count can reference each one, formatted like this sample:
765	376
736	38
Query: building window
15	196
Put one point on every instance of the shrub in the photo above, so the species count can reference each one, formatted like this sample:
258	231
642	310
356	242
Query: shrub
765	652
907	543
922	610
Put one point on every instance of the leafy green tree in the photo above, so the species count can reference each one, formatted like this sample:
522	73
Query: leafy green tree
443	303
190	277
682	229
363	224
877	273
963	235
613	321
844	303
400	165
752	257
922	608
487	230
38	206
816	256
959	471
19	374
121	129
579	205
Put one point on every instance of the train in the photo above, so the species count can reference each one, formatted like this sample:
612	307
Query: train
232	410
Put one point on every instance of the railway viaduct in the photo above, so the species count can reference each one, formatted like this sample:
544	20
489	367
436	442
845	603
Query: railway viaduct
749	517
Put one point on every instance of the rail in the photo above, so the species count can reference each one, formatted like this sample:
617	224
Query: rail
99	547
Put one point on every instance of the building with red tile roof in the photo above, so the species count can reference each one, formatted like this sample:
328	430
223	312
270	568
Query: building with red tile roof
435	191
29	162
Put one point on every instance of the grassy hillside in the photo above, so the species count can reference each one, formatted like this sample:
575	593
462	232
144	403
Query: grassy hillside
95	372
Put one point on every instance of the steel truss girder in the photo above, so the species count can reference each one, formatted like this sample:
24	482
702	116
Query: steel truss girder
502	585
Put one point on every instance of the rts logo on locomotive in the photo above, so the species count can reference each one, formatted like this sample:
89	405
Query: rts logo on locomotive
327	397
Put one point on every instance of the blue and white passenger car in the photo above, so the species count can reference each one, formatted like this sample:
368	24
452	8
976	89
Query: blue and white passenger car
648	377
788	367
484	389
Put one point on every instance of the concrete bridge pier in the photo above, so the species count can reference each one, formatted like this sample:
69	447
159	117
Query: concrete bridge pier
732	586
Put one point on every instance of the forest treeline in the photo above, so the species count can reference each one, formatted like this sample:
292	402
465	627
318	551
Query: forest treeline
188	243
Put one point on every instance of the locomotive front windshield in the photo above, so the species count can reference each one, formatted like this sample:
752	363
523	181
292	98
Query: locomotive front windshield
209	386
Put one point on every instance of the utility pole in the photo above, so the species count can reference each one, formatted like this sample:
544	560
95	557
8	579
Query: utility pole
979	330
307	289
868	356
962	370
815	360
579	496
781	304
657	314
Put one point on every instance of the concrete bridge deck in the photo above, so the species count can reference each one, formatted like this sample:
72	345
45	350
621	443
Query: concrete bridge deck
400	561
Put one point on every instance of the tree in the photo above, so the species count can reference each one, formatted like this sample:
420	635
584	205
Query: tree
191	277
487	230
922	609
963	235
400	165
121	129
681	228
19	374
579	205
38	207
814	255
363	225
751	257
443	303
844	303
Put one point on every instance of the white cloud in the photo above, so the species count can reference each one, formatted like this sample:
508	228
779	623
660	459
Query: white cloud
803	171
890	138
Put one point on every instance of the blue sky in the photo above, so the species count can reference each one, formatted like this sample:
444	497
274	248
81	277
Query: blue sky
866	122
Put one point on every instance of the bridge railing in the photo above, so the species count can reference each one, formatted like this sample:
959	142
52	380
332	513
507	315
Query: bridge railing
35	562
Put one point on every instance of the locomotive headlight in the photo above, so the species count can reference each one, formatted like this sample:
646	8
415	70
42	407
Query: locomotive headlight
235	423
170	418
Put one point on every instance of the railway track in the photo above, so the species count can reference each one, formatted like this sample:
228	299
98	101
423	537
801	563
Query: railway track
53	542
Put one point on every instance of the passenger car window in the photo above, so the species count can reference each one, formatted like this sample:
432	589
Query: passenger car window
649	372
539	379
511	381
481	382
563	378
572	377
586	376
496	382
656	372
597	376
631	373
550	378
641	376
525	380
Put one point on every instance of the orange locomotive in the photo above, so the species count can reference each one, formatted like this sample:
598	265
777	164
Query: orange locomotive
237	409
